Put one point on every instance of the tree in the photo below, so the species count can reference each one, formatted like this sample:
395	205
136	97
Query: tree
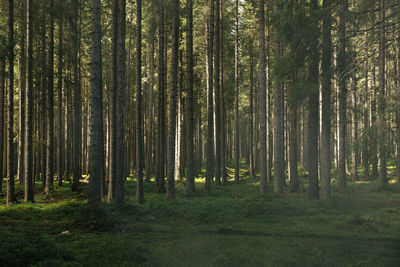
313	103
210	119
190	186
342	76
262	99
60	131
10	108
237	159
50	107
326	67
2	113
96	150
279	165
217	94
28	153
173	104
139	119
381	97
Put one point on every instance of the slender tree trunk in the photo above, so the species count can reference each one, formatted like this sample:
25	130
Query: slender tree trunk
237	154
251	123
10	108
50	107
365	148
2	115
341	62
114	95
96	149
149	149
261	101
28	153
161	104
293	174
354	131
190	166
326	67
173	104
139	118
313	111
77	152
209	149
217	93
279	151
20	170
397	114
381	97
222	98
120	107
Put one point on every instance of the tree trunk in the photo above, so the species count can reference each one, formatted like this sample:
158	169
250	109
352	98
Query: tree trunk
237	154
326	67
279	149
96	148
2	116
160	179
209	149
365	148
293	175
342	76
217	93
381	98
354	131
190	166
251	123
149	149
28	153
139	118
50	107
173	105
261	101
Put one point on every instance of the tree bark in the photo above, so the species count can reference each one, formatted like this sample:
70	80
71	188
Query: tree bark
326	67
2	117
28	153
217	93
261	101
139	118
341	62
96	149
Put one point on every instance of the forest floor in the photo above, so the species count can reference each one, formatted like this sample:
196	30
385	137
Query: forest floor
231	226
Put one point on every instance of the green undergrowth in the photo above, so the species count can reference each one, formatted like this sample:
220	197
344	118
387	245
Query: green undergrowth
233	225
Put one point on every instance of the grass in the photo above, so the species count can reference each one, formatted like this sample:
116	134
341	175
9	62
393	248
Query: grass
231	226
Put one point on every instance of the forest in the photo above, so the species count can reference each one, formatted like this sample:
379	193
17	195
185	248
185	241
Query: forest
200	133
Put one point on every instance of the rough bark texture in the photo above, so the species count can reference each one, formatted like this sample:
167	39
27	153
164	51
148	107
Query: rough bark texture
120	107
114	95
173	104
325	152
10	108
139	118
161	105
313	111
236	131
279	149
96	148
60	131
210	119
2	115
50	107
190	171
341	64
29	106
217	108
381	98
261	98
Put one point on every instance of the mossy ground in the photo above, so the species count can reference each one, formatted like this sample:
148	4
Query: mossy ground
232	226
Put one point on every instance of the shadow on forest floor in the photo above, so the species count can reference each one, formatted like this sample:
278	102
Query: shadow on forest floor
233	225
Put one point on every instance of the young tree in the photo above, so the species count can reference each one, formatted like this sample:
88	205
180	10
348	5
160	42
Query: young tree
237	159
60	132
96	150
217	108
262	98
2	113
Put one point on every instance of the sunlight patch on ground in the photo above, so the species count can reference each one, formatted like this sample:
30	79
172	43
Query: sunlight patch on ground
362	182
